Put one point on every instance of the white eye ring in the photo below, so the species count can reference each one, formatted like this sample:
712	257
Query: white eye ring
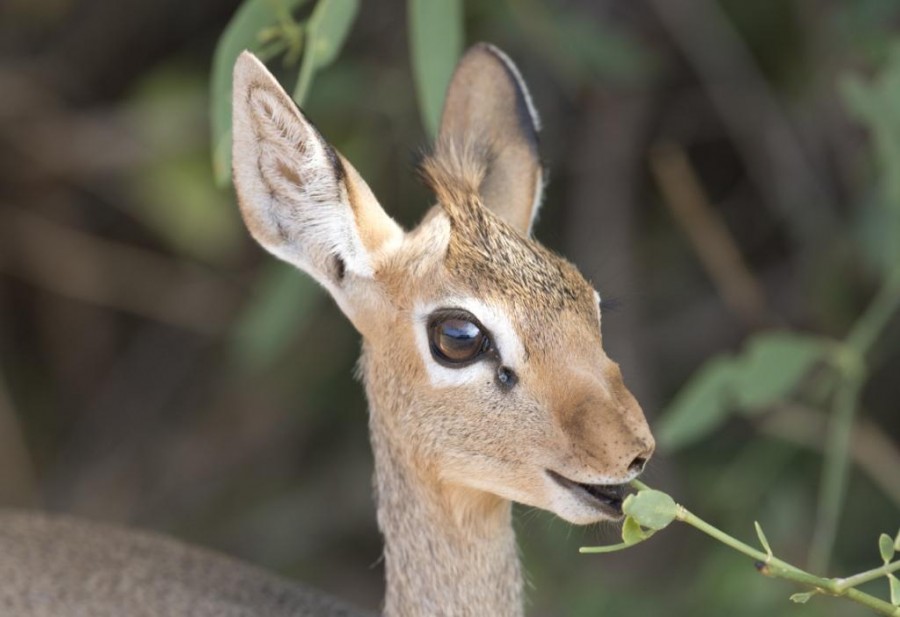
492	320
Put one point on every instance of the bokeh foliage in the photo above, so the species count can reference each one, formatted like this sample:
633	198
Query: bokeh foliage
162	371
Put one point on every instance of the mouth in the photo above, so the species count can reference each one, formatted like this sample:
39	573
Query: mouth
607	498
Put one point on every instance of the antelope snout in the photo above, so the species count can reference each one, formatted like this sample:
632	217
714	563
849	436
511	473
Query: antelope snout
637	464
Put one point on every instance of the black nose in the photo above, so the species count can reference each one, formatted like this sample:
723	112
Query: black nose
637	465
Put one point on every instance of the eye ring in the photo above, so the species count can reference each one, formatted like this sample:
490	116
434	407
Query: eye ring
457	339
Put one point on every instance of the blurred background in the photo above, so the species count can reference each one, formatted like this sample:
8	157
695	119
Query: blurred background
721	170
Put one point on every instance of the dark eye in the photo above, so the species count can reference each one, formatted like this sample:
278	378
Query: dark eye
457	339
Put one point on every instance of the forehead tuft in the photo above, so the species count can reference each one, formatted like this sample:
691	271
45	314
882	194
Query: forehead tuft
492	259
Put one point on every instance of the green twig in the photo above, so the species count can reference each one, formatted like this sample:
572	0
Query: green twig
868	328
776	568
862	337
650	510
834	474
869	575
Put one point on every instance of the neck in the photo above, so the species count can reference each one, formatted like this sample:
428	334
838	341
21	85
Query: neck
449	550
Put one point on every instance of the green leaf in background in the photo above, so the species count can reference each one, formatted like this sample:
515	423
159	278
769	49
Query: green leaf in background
699	408
772	365
436	38
651	509
886	547
876	105
579	48
243	32
173	190
897	542
278	308
326	32
767	371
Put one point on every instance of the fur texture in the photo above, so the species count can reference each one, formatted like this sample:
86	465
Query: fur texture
453	446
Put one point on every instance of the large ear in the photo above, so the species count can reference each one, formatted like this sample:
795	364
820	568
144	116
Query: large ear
488	106
299	198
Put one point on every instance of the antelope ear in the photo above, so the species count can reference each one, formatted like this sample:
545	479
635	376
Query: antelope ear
299	198
489	106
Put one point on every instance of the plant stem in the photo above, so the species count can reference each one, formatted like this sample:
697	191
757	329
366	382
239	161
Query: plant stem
774	567
864	577
834	474
867	329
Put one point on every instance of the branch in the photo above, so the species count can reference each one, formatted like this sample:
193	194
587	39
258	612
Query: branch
713	243
871	449
834	474
753	115
649	511
78	265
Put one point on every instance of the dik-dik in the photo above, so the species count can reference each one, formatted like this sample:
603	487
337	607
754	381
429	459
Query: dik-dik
482	361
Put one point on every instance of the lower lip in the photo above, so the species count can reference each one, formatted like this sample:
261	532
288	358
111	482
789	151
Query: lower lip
611	506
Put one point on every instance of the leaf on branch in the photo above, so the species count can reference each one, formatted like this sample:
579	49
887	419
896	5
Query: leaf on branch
252	18
768	370
632	533
699	408
651	509
435	40
803	598
773	364
326	31
762	539
886	548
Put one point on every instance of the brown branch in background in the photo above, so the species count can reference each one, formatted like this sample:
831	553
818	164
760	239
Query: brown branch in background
683	194
752	114
78	265
871	449
17	478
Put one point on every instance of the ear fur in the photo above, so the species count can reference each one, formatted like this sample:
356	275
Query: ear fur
488	113
299	198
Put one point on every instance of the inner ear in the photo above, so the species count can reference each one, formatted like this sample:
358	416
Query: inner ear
489	110
299	198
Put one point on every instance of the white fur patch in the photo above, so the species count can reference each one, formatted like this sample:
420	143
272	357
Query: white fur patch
290	192
573	508
503	334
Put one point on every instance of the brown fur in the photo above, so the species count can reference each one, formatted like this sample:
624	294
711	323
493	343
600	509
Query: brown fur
453	447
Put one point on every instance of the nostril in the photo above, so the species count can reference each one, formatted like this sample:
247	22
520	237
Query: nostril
637	465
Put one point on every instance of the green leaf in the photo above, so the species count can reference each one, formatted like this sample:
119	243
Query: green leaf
242	32
699	408
651	509
803	598
326	32
897	542
172	189
886	547
876	105
632	532
435	38
277	309
762	538
895	589
580	50
772	366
